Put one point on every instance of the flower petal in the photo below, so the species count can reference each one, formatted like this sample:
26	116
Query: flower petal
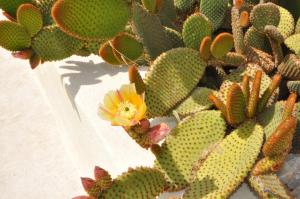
120	121
104	113
111	101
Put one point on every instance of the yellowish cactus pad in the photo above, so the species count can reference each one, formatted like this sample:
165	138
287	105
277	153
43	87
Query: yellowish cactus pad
186	144
227	166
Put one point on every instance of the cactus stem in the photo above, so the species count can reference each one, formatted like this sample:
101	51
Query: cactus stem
289	106
269	92
246	88
254	95
219	104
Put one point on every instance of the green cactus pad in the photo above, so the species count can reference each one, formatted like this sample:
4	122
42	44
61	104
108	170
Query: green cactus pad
45	7
174	37
269	186
265	14
128	47
167	13
227	166
150	31
221	45
11	6
290	67
195	28
292	6
91	20
186	143
184	5
215	11
271	118
136	183
293	43
197	101
93	46
13	36
286	24
171	78
257	40
31	18
52	44
108	55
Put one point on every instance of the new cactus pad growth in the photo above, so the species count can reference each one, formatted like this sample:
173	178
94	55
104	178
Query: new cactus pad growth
227	71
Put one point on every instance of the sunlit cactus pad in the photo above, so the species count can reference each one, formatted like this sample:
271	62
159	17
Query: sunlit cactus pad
226	72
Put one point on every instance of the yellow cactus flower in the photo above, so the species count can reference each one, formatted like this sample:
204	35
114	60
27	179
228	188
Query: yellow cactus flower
123	107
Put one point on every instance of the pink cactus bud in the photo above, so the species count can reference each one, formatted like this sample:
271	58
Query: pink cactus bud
24	54
100	173
87	183
159	132
145	124
82	197
34	61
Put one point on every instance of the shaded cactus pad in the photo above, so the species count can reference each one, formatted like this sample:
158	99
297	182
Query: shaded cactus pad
11	6
171	78
52	44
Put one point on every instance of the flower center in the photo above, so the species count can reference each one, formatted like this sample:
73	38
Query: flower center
127	110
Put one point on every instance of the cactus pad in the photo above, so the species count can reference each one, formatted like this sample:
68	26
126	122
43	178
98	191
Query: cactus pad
269	186
186	143
290	67
271	118
174	37
13	36
93	19
198	101
150	5
257	40
52	44
45	7
127	47
221	45
297	28
228	165
205	48
294	87
286	24
236	104
195	28
215	11
11	6
184	5
171	78
108	55
136	183
150	31
265	14
292	43
31	18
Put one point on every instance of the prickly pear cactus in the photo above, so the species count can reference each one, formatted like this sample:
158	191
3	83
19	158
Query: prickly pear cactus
227	71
